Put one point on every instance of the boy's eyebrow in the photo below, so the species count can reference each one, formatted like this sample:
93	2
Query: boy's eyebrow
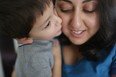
46	20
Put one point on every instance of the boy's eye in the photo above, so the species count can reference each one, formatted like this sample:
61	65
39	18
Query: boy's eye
47	25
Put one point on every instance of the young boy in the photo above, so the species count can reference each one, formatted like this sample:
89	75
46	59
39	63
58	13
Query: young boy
28	20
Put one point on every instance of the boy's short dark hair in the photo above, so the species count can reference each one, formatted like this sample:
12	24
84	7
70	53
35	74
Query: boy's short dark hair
18	16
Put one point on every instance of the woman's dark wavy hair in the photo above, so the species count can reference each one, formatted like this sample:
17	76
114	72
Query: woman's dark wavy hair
18	16
105	38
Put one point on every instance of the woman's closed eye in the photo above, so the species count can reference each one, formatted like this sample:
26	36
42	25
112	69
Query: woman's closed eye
66	10
90	7
89	10
65	7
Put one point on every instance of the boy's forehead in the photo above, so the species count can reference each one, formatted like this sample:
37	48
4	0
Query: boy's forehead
45	17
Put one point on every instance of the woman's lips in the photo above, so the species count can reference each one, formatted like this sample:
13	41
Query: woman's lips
78	33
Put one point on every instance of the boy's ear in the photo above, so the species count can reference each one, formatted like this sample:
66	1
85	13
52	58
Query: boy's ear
24	40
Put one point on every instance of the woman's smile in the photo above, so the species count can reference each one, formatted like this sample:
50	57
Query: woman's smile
78	34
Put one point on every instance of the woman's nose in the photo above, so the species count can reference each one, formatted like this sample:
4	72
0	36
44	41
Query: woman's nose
76	20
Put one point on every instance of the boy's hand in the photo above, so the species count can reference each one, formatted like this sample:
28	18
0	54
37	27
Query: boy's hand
57	59
25	40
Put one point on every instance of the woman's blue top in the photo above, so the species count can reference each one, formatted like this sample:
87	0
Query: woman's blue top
104	67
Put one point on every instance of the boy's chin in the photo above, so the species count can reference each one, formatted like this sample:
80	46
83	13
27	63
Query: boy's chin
58	34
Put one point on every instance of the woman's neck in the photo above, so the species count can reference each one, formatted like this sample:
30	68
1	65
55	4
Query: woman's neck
71	54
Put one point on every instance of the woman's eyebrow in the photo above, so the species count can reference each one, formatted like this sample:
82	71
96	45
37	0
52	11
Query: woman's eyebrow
87	1
69	1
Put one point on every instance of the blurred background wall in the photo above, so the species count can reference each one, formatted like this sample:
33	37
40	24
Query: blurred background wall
8	56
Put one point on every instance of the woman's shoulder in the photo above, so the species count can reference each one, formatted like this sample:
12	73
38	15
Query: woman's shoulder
114	47
113	51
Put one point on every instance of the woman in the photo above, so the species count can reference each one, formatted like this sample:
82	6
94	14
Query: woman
89	48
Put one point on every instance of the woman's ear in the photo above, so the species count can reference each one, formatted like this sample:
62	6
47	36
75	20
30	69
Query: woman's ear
24	40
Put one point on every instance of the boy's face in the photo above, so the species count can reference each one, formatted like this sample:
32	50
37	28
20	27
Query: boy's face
47	26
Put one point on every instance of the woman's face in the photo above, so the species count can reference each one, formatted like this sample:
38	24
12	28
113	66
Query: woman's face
80	19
